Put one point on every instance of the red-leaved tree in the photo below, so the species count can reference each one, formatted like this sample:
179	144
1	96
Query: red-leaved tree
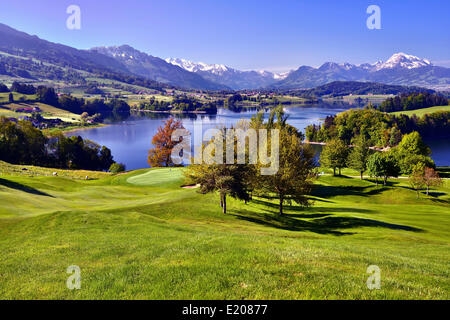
160	155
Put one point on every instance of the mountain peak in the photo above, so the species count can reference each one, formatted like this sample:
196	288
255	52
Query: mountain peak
124	51
233	78
403	60
198	66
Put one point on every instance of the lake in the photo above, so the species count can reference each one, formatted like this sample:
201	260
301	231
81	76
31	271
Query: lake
130	140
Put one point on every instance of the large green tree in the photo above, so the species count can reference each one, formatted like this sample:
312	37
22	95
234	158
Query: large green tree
383	165
359	155
294	179
296	172
412	150
228	179
375	166
334	155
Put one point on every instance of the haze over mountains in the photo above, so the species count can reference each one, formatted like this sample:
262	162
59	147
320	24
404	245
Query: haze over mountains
30	57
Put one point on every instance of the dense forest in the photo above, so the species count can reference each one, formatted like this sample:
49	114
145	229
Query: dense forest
344	88
179	103
412	101
21	143
379	128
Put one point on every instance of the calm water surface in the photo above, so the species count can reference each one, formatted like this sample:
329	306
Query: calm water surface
130	140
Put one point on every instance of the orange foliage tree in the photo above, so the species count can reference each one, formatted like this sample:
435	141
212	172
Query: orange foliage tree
160	155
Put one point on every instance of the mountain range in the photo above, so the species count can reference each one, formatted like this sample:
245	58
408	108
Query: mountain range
399	69
26	56
233	78
157	69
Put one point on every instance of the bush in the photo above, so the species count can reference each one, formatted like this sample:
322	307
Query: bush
117	167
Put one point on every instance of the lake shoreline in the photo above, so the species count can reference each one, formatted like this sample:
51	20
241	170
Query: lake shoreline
74	129
174	112
130	140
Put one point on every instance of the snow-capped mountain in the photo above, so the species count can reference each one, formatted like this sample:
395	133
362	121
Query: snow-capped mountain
156	68
233	78
402	60
198	66
399	69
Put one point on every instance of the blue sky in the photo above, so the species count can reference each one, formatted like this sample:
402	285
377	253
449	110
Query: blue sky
246	34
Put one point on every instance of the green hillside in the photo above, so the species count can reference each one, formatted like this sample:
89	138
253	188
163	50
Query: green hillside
421	112
139	235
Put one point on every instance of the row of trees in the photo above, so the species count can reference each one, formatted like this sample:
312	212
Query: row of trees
112	108
337	154
412	101
410	157
424	177
21	143
292	182
22	88
179	103
380	129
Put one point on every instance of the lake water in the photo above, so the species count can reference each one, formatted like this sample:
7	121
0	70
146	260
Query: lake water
130	140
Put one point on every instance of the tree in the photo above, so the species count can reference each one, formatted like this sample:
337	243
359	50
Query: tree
334	155
413	144
417	178
47	95
105	158
294	179
296	162
226	179
23	88
359	155
431	178
160	155
11	97
117	167
383	164
84	117
391	167
375	166
412	150
70	103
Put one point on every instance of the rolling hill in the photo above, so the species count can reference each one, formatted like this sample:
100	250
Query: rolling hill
26	56
157	69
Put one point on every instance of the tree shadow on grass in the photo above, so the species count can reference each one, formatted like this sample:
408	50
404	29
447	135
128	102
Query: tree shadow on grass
310	209
322	191
314	221
436	194
327	225
22	187
444	172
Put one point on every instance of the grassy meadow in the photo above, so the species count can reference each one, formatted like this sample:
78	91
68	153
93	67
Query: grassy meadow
48	112
139	235
422	112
